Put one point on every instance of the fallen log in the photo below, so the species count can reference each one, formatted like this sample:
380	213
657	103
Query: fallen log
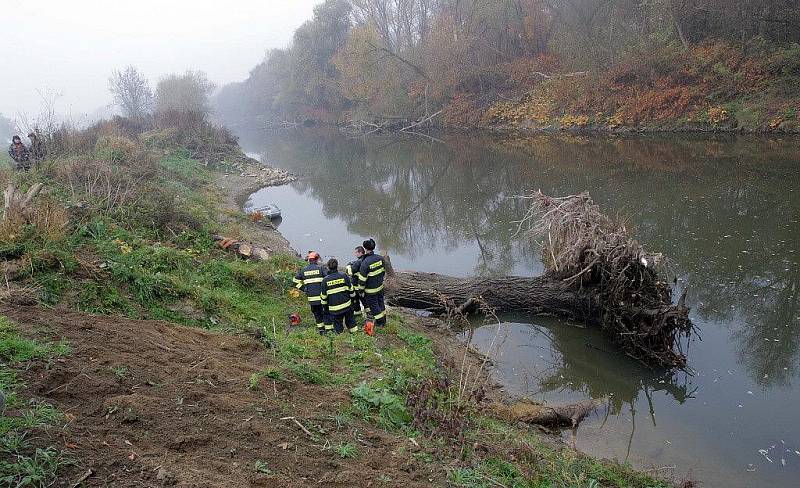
547	415
440	294
594	273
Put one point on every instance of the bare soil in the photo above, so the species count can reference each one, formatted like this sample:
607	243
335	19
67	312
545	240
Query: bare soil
149	403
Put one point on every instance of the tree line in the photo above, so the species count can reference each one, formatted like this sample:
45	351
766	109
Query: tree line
368	58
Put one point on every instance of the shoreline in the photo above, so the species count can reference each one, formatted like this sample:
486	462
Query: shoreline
525	128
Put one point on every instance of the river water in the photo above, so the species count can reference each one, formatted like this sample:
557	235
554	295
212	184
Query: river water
725	209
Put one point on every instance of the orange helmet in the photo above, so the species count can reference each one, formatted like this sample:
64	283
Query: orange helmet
312	256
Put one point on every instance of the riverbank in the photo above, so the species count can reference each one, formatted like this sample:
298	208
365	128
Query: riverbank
137	351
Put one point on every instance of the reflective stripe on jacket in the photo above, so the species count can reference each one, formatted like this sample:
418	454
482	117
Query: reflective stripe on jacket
372	273
309	281
337	293
354	272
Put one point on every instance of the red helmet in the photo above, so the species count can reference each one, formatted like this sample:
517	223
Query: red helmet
312	256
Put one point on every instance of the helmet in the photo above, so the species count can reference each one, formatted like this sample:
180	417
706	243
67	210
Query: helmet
312	256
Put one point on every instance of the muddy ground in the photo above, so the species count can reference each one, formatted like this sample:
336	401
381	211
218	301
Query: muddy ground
148	403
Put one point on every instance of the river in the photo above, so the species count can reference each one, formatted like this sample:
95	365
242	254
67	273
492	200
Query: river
725	209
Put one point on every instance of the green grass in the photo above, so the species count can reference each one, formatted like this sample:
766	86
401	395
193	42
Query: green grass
21	464
345	450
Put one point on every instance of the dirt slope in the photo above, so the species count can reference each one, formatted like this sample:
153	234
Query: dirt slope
153	404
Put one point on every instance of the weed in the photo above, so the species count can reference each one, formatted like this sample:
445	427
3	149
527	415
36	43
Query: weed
310	373
346	450
40	469
261	467
466	477
343	418
379	402
16	349
19	467
120	371
271	373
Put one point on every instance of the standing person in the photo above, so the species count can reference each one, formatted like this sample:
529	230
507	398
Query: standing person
353	271
309	281
372	273
38	150
20	154
337	299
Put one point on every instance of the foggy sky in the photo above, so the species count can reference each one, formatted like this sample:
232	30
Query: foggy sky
71	46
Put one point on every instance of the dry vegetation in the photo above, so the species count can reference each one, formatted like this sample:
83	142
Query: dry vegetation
587	249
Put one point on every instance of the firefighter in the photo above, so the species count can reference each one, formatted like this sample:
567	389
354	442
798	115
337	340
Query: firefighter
337	299
371	277
309	281
353	268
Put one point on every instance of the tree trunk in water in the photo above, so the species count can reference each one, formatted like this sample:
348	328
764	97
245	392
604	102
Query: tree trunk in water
650	335
548	415
534	296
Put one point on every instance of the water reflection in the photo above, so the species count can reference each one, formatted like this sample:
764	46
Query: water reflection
724	208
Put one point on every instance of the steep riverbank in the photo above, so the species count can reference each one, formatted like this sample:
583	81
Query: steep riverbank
135	351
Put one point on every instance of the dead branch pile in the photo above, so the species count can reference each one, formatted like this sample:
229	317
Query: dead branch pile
584	248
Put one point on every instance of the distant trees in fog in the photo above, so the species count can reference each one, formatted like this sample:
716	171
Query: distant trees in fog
131	91
189	92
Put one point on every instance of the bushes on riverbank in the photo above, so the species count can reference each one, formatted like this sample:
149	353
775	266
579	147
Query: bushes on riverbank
712	86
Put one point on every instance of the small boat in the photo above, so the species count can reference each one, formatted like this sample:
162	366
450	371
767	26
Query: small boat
269	211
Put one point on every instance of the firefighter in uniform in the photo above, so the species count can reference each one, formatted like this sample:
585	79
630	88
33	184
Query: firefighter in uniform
337	299
309	281
372	274
353	271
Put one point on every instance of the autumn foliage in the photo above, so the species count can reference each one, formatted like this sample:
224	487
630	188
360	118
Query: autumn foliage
595	64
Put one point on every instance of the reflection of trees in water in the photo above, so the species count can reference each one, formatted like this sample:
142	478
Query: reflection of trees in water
581	365
416	196
683	194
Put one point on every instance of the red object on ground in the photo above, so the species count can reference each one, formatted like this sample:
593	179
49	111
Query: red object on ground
294	319
369	328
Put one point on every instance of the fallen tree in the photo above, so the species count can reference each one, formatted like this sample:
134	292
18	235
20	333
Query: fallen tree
548	415
594	273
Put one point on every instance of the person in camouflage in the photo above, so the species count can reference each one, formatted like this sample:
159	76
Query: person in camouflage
20	154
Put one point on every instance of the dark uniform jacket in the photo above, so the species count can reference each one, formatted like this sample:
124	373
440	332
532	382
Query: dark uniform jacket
372	273
309	281
337	293
38	151
19	156
353	271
